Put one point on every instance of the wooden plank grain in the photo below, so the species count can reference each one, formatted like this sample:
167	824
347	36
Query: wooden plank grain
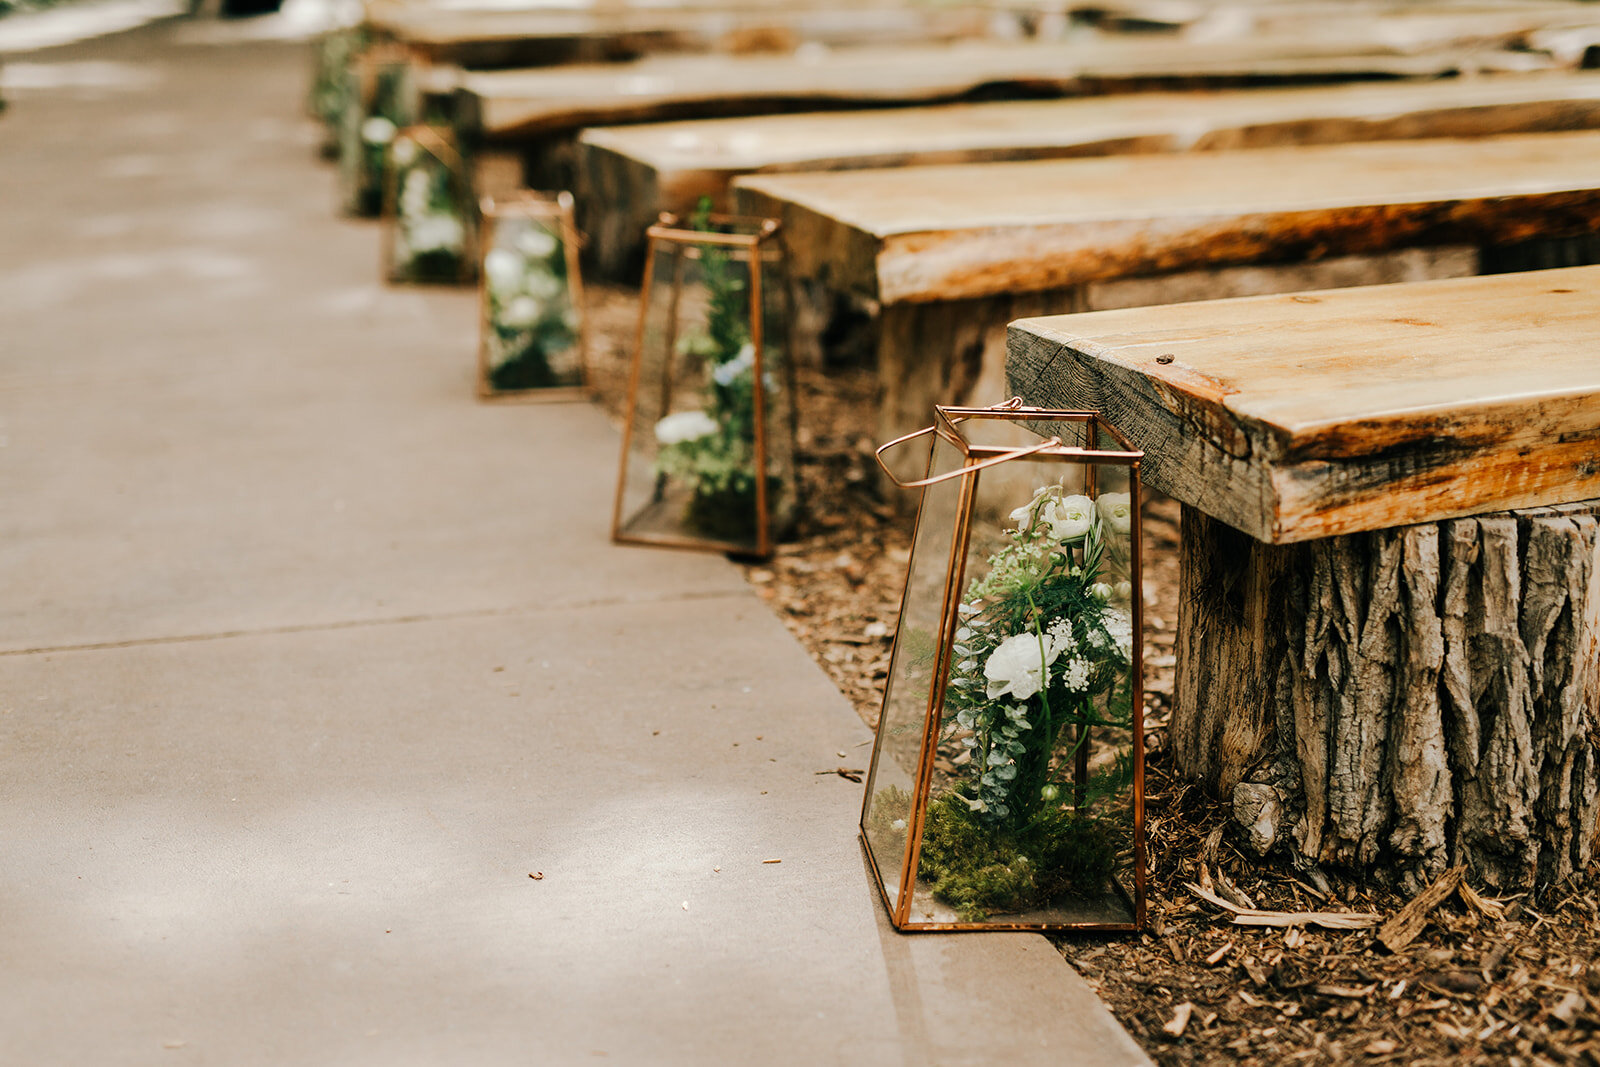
942	233
1322	414
635	172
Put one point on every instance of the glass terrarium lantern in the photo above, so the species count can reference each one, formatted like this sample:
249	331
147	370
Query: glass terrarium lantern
379	101
532	339
1007	780
427	206
707	458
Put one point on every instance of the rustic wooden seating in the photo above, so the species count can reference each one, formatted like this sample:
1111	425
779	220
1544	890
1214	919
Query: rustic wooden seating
943	257
628	175
1389	615
489	39
538	112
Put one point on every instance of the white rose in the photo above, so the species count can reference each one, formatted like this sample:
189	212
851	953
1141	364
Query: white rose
520	313
685	426
1068	519
535	242
377	130
503	269
1017	666
1116	510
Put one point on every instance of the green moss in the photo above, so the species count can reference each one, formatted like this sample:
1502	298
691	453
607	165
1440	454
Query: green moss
978	869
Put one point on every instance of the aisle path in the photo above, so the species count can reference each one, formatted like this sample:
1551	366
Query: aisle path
307	662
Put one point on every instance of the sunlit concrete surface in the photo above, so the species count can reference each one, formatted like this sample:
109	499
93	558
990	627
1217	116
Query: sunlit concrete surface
332	729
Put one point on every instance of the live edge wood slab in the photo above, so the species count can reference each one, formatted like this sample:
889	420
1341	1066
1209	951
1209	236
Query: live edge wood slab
1389	604
943	257
628	175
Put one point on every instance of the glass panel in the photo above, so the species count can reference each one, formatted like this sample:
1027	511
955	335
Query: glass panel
427	233
378	88
691	472
532	334
1031	817
903	721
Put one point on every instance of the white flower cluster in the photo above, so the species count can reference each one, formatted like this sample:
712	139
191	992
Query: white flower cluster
685	426
521	282
424	227
377	130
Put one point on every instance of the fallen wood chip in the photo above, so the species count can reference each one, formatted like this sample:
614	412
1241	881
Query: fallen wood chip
1489	909
1180	1019
1407	923
1328	920
849	774
1566	1012
1213	959
1347	992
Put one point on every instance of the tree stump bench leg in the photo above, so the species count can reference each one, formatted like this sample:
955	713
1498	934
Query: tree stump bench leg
1402	700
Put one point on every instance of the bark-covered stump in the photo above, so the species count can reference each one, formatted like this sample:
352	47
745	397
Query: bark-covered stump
1400	700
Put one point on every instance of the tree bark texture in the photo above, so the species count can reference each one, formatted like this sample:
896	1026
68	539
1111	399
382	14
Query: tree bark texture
1403	700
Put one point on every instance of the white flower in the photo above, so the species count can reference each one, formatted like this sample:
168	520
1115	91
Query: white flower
728	373
535	242
1017	667
685	426
898	825
1119	634
1068	519
1024	515
542	285
404	152
503	268
377	130
520	313
1075	674
1100	591
414	194
1116	510
1124	590
436	233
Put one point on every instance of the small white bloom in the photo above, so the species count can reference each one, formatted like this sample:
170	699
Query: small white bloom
414	194
899	825
1024	515
1075	674
727	373
535	242
503	268
1124	590
1116	510
436	233
1100	591
542	285
1069	519
377	130
404	152
520	313
685	426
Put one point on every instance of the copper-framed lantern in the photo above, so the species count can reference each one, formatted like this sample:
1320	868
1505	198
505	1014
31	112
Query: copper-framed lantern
427	234
708	453
532	340
380	100
1007	781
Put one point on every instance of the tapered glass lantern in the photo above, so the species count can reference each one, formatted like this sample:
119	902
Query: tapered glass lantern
1007	780
379	102
427	207
707	458
532	340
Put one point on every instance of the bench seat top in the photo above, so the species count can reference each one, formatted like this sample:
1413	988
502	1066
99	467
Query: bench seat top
511	104
974	230
1293	417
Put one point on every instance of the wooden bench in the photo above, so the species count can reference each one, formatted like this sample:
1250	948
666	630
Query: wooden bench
935	260
489	39
538	112
1389	607
628	175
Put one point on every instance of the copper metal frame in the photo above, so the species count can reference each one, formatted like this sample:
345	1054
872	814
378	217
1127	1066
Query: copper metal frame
668	230
439	142
557	208
946	420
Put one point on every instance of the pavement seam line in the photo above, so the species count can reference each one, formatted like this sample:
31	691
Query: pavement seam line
354	624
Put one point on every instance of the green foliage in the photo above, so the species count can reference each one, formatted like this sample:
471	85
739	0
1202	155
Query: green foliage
979	869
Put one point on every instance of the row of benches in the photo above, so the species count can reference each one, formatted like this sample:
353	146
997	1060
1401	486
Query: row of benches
1380	656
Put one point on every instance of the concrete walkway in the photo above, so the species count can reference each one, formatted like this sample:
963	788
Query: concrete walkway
308	661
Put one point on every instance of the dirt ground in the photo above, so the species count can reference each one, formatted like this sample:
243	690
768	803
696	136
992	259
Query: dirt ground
1512	981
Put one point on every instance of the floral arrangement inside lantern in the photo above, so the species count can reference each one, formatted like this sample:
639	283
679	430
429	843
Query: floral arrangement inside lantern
426	239
708	457
532	334
1023	789
380	104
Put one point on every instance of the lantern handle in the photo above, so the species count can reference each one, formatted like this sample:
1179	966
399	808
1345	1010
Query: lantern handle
1004	457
